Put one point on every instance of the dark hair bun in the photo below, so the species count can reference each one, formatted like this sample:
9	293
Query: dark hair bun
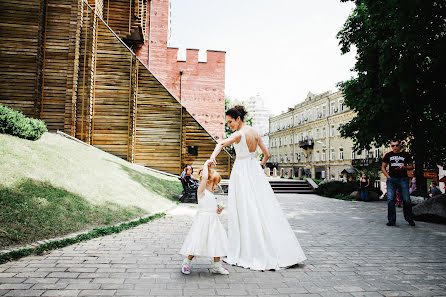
237	111
241	109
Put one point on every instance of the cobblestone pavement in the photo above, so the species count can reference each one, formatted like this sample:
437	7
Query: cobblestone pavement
350	250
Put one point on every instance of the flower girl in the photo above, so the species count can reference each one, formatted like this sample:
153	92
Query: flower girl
207	237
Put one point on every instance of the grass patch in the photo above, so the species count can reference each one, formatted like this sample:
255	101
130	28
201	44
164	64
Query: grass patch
14	255
165	188
34	210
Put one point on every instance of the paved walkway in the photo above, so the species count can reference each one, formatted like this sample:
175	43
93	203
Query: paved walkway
350	250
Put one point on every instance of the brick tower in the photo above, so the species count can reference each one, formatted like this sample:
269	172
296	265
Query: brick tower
198	85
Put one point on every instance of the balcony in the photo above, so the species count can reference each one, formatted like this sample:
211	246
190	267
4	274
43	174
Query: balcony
306	143
365	161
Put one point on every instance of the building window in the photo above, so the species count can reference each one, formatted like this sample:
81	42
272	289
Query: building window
291	139
296	139
309	115
303	118
341	153
324	154
301	136
332	130
297	157
317	156
341	105
377	153
324	111
332	107
332	154
317	134
280	141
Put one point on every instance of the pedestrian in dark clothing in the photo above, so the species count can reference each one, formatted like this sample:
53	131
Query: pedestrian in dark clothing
399	162
364	184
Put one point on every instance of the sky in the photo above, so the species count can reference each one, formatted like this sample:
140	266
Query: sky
280	49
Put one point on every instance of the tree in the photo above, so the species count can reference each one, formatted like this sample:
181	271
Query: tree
399	88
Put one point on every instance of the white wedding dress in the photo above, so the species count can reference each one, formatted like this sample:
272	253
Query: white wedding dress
260	237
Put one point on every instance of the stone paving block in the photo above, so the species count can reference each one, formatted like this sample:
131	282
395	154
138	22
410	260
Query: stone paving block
67	293
15	286
32	293
367	294
97	293
58	286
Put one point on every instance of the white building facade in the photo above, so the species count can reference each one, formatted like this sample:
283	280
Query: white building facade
307	138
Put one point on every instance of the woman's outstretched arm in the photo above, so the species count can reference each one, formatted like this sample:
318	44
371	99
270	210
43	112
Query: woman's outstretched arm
224	143
265	152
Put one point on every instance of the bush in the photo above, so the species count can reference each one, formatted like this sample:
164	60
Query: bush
17	124
334	188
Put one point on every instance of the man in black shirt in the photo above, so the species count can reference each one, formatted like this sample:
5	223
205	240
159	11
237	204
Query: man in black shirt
399	162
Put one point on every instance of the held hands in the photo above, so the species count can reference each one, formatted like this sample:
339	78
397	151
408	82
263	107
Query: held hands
209	163
212	159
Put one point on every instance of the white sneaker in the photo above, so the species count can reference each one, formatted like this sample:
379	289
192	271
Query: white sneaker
219	269
185	269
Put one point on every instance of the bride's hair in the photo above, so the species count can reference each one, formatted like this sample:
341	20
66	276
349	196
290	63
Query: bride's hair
214	176
237	111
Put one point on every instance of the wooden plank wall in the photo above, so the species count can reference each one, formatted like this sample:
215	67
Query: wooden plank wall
112	95
19	35
85	75
157	125
117	14
195	135
56	64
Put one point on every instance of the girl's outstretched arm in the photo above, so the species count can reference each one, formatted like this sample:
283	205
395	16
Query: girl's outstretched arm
224	143
204	177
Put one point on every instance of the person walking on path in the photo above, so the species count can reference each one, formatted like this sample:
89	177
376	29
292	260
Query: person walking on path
364	184
399	162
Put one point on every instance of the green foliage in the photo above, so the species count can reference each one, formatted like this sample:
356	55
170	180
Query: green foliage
343	197
103	231
372	171
17	124
399	88
333	188
317	181
33	210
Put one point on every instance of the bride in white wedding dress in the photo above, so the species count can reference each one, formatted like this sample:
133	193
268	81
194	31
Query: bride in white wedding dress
260	237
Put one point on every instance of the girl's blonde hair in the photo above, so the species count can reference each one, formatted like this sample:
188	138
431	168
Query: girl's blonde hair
214	176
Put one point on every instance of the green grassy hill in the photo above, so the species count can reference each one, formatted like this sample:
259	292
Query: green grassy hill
55	186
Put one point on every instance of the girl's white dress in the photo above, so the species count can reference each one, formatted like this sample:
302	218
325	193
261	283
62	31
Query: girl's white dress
207	236
259	234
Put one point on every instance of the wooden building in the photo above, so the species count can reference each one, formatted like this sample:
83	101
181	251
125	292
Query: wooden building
65	62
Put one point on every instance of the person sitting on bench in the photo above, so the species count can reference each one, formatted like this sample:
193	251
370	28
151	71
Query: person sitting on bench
190	185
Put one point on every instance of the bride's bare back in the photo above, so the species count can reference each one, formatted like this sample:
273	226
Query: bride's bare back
252	138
